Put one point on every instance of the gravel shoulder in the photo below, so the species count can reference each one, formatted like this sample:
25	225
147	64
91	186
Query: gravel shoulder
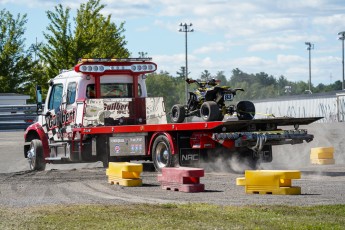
87	183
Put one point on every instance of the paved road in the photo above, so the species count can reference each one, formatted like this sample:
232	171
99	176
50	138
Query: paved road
87	183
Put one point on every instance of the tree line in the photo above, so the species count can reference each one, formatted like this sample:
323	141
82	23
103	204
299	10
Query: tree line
90	34
256	86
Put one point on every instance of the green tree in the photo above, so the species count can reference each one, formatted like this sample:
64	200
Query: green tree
283	86
38	76
164	85
239	76
181	73
206	75
220	76
95	36
57	53
320	88
264	79
180	85
336	85
300	87
15	61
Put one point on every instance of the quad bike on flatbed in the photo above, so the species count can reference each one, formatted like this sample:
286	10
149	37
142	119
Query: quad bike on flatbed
208	103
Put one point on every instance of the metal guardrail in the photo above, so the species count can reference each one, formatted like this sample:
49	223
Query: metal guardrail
17	116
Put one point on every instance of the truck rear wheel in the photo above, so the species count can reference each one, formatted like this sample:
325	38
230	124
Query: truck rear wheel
178	113
35	156
209	111
162	155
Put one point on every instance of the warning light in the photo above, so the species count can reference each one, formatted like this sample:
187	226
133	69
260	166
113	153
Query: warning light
103	65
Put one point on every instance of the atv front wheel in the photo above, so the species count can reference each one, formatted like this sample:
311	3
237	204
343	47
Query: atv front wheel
209	111
245	110
178	113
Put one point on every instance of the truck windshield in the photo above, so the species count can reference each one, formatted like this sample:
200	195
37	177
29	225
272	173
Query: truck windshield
113	90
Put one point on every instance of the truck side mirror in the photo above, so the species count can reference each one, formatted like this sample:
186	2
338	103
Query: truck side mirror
39	98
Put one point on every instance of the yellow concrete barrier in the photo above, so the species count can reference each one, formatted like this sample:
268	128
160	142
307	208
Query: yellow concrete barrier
241	181
322	155
124	173
276	182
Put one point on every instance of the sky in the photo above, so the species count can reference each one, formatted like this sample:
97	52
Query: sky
252	35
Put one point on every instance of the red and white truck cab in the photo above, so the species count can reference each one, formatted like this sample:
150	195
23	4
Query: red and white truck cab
97	92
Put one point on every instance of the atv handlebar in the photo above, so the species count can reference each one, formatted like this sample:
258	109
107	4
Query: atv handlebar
188	80
233	91
212	82
201	84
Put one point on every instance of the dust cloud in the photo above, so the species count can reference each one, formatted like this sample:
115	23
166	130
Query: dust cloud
223	160
298	156
285	157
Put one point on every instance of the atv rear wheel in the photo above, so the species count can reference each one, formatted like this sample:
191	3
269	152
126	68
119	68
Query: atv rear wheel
209	111
178	113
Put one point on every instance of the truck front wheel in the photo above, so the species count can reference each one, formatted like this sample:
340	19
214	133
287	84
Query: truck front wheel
35	156
162	155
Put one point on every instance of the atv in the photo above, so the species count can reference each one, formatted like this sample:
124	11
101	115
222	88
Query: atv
208	102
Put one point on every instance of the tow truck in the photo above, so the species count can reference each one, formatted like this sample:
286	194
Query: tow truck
100	111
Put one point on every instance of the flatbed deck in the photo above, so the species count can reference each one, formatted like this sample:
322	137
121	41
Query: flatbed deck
228	126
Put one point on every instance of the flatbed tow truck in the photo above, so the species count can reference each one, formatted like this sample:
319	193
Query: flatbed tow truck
99	111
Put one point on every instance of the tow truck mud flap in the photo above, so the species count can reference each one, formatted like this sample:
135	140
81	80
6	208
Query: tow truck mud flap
190	157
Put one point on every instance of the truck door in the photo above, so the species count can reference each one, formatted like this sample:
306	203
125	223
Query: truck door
60	113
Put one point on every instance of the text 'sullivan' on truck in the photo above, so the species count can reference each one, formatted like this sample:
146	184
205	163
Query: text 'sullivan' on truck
99	111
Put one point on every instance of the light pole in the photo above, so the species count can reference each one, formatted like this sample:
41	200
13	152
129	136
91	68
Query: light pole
186	28
342	37
310	46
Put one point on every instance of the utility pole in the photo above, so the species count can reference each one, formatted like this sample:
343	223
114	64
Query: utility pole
186	29
310	46
342	37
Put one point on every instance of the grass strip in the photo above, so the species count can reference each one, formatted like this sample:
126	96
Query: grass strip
173	216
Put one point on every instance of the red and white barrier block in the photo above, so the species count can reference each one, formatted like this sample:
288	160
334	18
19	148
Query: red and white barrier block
182	179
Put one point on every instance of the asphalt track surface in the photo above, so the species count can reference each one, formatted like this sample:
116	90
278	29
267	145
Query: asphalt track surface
87	183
